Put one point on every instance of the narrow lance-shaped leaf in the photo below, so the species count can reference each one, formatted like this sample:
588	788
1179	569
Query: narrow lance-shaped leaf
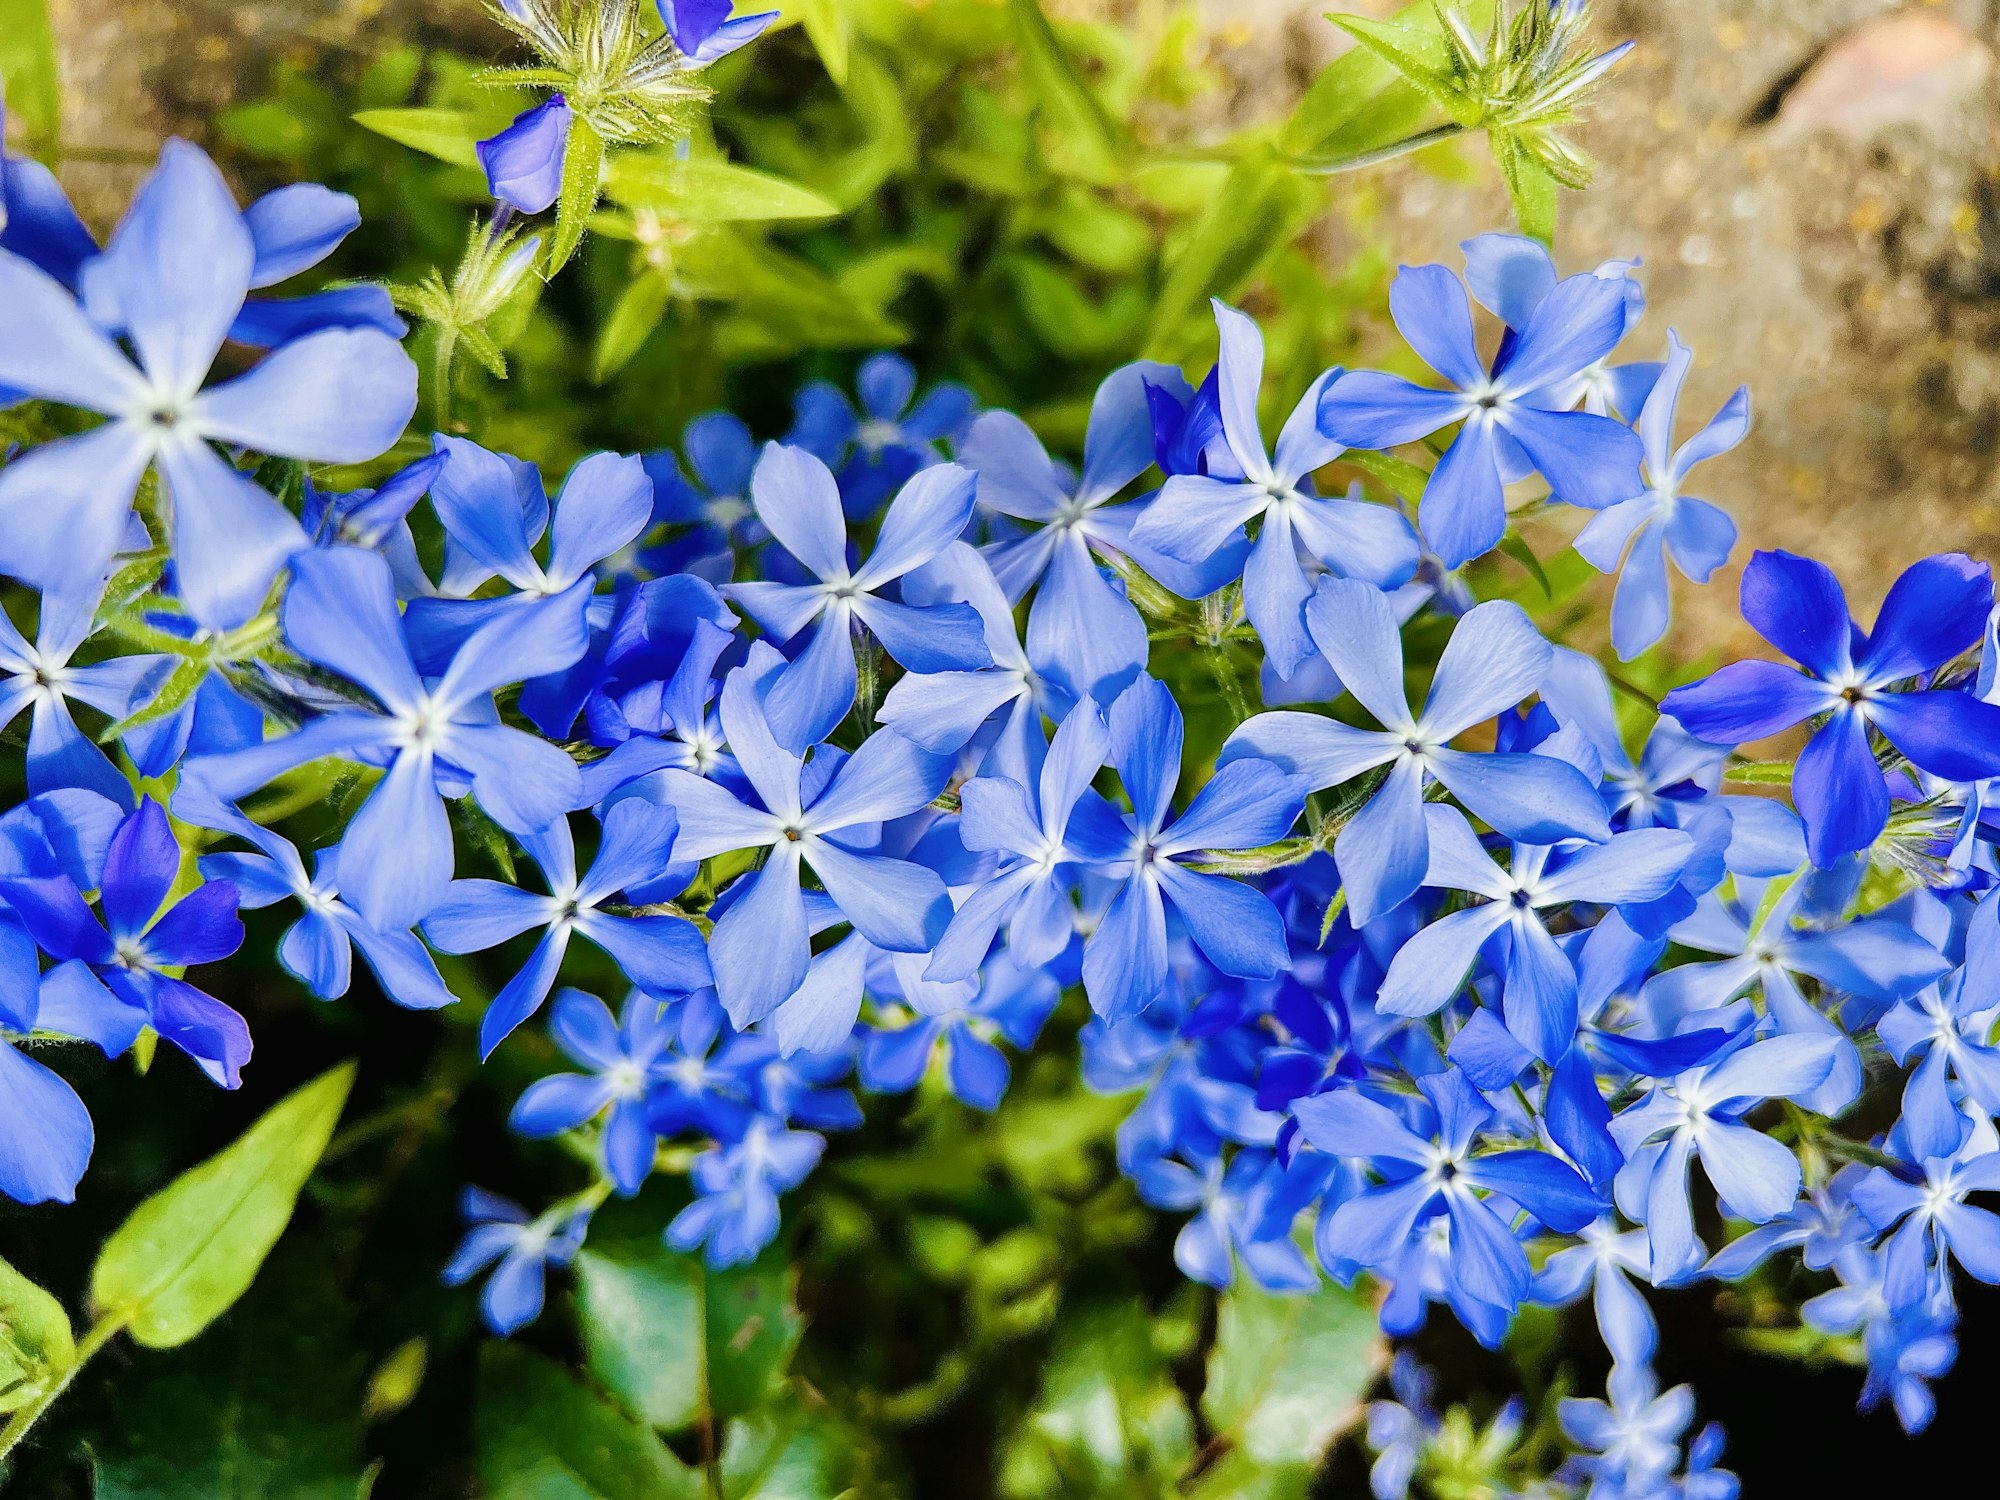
451	135
189	1251
709	192
582	174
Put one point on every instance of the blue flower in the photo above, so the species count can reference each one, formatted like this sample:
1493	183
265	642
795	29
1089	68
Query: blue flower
1082	630
1511	275
1540	983
796	499
1425	1176
45	1131
1040	837
525	1249
1196	515
1663	521
524	162
661	955
703	30
626	1059
180	265
1633	1439
1245	1212
1247	803
1935	610
396	857
112	965
1010	1002
1877	959
737	1183
759	947
40	677
1494	659
1927	1199
318	948
1604	1265
37	222
947	711
877	449
1507	425
1698	1113
714	509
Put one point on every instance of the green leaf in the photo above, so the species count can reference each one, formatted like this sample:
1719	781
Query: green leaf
582	178
784	1456
1288	1372
28	64
36	1346
182	684
1363	101
1516	547
448	134
541	1434
709	192
1401	476
189	1251
632	319
831	31
1259	205
1080	126
1109	1419
267	1407
679	1343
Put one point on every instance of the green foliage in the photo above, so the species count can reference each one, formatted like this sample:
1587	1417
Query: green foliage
36	1346
680	1344
544	1435
28	68
266	1407
193	1248
1287	1373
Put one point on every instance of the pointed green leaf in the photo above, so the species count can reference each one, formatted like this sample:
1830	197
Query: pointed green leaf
676	1341
1257	209
182	684
36	1346
1516	547
1402	477
831	30
582	176
1288	1372
1362	101
709	192
448	134
1080	122
633	317
541	1434
28	64
194	1247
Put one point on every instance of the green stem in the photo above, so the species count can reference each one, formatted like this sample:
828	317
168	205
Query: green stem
101	1333
447	348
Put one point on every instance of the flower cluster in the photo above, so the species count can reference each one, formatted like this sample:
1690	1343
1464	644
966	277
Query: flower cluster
851	755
